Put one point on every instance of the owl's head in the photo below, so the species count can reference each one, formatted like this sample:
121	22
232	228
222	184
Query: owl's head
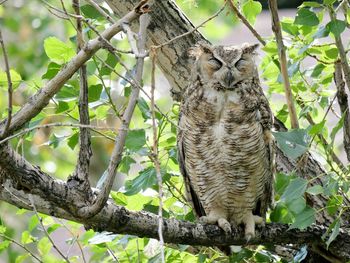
222	67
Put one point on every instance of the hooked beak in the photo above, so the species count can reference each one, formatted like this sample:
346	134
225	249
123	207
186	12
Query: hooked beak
229	79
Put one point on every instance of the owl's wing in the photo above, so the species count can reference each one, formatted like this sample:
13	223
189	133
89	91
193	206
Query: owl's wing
190	192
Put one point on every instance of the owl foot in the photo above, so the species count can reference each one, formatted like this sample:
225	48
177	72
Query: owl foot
222	222
250	220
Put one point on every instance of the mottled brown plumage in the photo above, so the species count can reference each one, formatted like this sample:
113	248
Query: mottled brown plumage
224	139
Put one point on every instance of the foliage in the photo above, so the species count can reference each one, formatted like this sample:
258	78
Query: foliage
47	44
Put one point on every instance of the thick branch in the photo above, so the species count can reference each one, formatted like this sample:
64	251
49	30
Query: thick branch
117	219
276	28
38	101
344	106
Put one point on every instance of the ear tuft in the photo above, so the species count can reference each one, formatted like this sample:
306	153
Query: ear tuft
200	48
249	48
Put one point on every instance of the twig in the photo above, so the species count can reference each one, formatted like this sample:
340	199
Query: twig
155	159
45	231
55	124
43	96
20	245
101	11
3	1
82	168
276	27
131	38
192	30
9	89
344	107
246	22
341	50
116	156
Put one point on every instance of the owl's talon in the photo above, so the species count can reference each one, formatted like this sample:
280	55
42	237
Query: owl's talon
249	236
224	225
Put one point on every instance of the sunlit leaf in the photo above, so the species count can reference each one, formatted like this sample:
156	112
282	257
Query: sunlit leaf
52	70
144	180
16	79
58	51
251	9
315	190
334	203
94	92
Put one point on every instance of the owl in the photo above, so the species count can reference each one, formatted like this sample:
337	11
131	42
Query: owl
225	144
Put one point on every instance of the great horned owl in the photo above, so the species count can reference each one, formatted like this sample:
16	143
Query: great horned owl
224	139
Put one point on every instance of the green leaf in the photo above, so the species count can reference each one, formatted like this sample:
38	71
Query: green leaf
317	70
67	93
321	32
335	226
102	237
296	205
124	166
336	27
315	190
2	229
135	140
332	53
293	143
53	228
16	79
58	51
119	198
306	17
304	219
94	92
295	189
154	209
33	222
4	245
146	179
310	4
281	214
91	12
44	246
111	61
317	128
329	2
281	182
73	140
22	258
348	16
251	9
145	110
334	203
52	70
27	238
62	107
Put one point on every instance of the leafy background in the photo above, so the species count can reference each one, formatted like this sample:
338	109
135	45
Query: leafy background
39	44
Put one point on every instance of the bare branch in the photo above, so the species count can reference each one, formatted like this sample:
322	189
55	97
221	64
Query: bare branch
246	22
9	89
38	101
82	169
155	158
276	28
55	124
341	50
117	153
344	106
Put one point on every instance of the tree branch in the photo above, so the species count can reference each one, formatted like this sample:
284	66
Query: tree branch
38	101
117	153
117	219
276	28
9	89
344	106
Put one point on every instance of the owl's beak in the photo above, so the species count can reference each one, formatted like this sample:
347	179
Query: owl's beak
229	79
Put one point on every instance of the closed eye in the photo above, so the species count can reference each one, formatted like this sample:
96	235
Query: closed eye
240	63
215	63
